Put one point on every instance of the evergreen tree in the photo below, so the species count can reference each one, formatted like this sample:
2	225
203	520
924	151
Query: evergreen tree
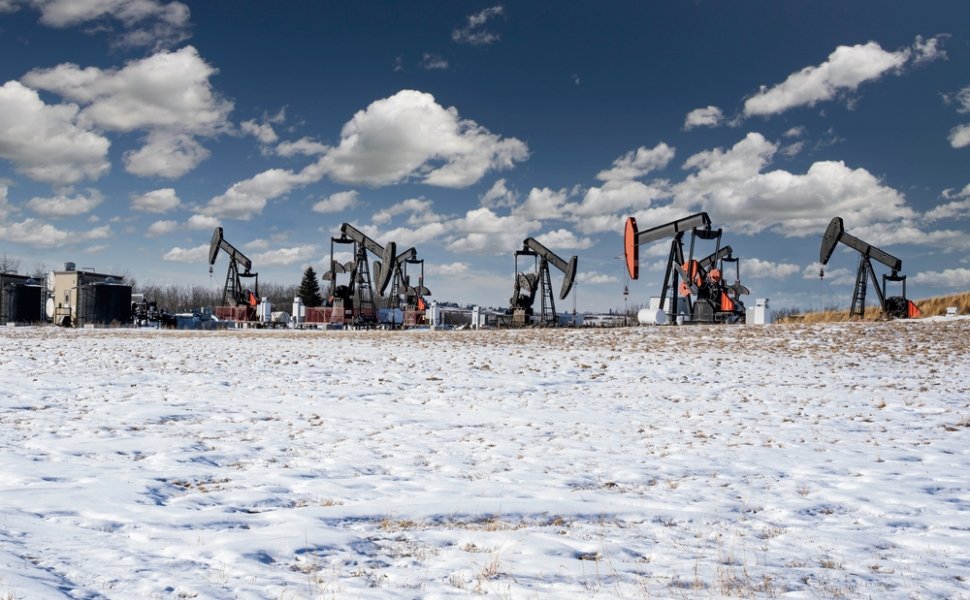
310	289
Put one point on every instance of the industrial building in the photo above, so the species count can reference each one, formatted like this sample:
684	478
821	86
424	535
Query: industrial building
79	298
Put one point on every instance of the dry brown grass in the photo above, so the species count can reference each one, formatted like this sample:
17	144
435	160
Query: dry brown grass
930	307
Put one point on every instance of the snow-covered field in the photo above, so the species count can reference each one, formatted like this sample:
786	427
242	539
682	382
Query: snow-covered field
781	461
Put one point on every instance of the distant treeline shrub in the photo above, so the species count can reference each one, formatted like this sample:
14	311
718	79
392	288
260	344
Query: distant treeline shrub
185	298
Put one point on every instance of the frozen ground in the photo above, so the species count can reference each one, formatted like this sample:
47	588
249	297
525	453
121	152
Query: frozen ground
696	462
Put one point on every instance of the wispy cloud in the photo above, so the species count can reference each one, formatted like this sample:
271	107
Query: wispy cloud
474	32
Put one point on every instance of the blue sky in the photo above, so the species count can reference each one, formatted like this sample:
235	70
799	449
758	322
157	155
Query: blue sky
129	129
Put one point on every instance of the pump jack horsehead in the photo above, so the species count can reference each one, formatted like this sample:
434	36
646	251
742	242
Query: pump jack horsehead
897	307
527	284
699	282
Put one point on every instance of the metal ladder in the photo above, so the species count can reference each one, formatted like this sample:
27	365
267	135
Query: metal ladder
859	292
547	304
364	307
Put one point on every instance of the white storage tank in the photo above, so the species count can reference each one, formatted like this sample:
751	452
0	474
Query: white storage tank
299	311
651	316
759	314
265	311
478	318
434	315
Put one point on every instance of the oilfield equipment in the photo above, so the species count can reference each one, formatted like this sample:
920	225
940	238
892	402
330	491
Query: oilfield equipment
361	301
405	300
239	302
82	297
528	284
696	288
21	299
897	307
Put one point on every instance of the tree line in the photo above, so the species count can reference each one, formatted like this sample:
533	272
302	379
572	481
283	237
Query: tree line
176	298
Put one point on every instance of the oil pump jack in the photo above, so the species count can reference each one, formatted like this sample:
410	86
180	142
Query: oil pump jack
239	301
405	297
700	282
897	307
528	284
355	301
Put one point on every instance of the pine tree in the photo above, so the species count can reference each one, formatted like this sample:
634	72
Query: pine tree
310	289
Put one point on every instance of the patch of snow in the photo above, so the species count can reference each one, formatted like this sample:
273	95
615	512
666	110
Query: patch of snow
802	461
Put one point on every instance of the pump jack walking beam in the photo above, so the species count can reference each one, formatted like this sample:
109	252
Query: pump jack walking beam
633	238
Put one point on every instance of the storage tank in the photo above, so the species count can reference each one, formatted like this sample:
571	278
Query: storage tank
21	299
265	311
760	313
648	316
104	303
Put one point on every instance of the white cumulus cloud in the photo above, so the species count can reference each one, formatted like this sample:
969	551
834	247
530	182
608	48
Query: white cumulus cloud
543	203
143	22
161	228
249	197
302	147
263	132
960	136
64	205
846	69
410	136
498	196
481	230
732	186
563	239
198	254
202	222
638	163
44	235
957	208
285	256
156	201
947	278
407	136
756	268
595	277
168	95
337	202
45	142
709	116
419	207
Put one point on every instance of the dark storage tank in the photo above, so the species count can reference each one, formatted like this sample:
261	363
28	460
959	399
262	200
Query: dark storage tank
104	303
21	299
21	302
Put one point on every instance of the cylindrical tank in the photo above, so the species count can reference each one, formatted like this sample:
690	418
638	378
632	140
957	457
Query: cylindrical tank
20	303
648	316
104	303
69	266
